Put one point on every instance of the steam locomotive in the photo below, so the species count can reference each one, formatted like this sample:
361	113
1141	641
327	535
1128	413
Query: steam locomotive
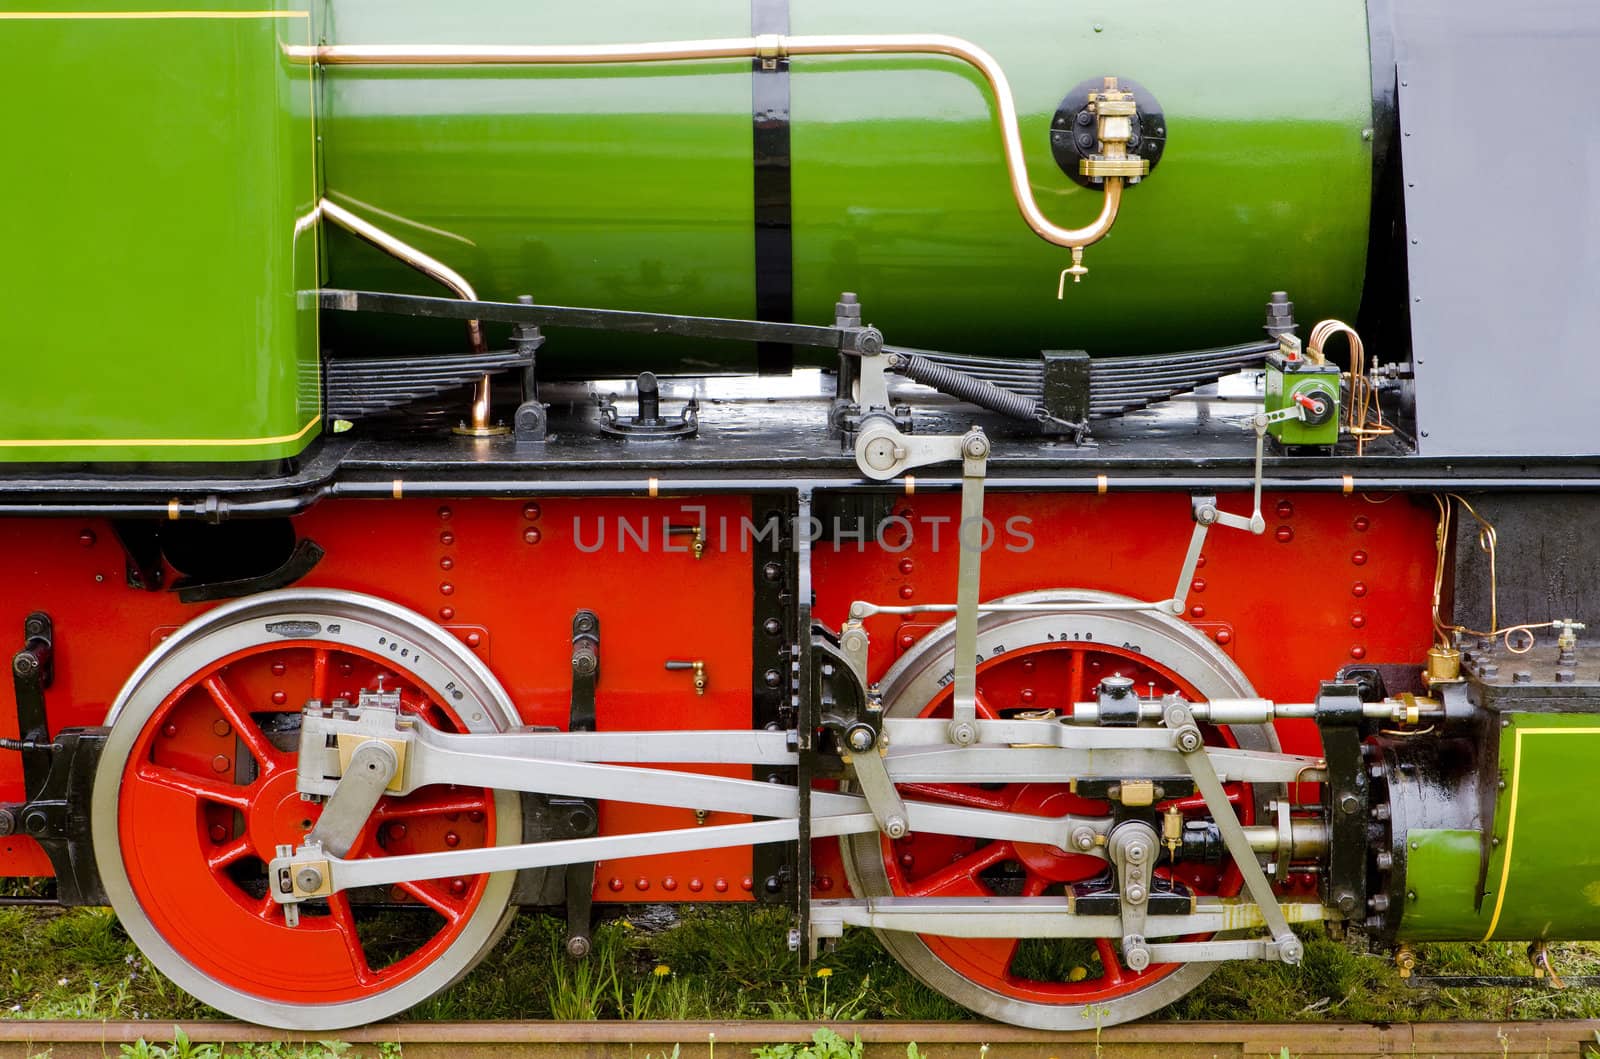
1105	477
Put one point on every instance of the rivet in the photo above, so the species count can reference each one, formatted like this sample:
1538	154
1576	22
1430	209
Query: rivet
1362	523
452	839
614	885
1027	665
669	884
474	639
221	727
772	677
1284	534
397	830
906	566
1358	589
772	626
1358	621
1358	651
279	669
447	538
906	640
772	571
1224	636
695	885
531	512
721	886
447	563
218	833
86	538
446	613
1199	564
531	535
444	514
1358	557
221	763
476	816
907	860
279	698
447	589
906	591
1285	509
824	883
1197	585
458	887
1027	695
169	730
747	884
1197	611
346	668
641	883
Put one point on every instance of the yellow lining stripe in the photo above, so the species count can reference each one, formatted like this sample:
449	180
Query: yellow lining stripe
111	16
1511	819
164	443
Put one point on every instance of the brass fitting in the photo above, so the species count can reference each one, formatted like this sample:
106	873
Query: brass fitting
1114	111
1444	665
698	667
1172	829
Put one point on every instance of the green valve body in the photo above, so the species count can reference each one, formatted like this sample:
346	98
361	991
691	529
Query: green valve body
1318	384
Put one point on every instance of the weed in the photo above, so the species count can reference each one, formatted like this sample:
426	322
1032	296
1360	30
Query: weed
825	1044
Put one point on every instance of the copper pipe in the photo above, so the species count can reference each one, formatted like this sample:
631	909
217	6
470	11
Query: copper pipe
434	269
770	46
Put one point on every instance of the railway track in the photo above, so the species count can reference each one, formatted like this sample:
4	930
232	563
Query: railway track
940	1040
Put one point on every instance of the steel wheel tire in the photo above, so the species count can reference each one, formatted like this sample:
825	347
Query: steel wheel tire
369	636
914	682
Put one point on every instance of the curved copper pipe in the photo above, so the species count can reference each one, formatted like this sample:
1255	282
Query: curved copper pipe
429	266
771	46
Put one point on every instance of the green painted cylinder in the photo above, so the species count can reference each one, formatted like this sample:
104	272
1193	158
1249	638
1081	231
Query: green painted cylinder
632	186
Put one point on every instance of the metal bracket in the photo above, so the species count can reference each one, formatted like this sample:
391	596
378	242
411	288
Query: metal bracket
57	815
32	671
579	880
1132	848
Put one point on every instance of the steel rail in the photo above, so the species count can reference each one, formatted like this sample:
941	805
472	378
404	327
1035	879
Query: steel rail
92	1039
767	47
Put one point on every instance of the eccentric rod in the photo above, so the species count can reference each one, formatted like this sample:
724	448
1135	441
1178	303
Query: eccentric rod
431	267
765	47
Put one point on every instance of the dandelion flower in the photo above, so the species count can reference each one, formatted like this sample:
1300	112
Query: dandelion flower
662	970
824	972
1077	974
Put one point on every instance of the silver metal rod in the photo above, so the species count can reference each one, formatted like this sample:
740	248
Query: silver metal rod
434	269
772	47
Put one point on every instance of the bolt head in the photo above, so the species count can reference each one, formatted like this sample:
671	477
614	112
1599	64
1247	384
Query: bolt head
895	827
577	946
308	879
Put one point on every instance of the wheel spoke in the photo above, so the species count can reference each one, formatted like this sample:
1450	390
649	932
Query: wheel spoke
971	797
269	757
982	708
451	910
344	921
194	786
1110	963
319	674
965	870
1197	802
1035	885
436	801
223	856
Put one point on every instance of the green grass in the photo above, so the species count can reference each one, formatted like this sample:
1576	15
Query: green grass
721	963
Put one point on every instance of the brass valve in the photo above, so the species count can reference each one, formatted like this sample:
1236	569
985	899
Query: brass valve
1114	111
696	535
699	668
1172	829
